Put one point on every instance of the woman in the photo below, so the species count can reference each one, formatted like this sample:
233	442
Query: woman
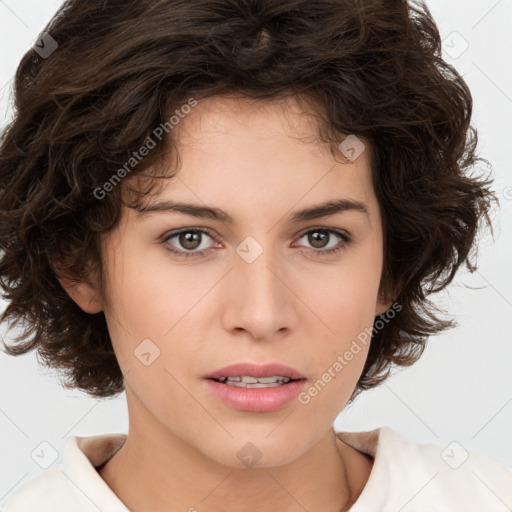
235	211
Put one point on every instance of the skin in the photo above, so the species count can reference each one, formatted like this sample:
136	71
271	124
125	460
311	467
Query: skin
259	162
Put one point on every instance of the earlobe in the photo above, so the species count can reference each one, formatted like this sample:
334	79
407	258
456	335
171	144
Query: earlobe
85	296
384	302
382	307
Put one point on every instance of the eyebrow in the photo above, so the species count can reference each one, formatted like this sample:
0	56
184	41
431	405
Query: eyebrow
206	212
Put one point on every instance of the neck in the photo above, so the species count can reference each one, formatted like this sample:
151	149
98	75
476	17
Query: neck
157	469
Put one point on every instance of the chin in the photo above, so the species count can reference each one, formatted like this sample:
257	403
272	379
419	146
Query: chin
255	454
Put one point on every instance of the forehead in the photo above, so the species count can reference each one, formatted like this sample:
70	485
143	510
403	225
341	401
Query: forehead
273	134
260	155
247	120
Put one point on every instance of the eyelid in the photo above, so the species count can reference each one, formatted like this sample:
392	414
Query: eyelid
345	238
209	232
175	232
338	231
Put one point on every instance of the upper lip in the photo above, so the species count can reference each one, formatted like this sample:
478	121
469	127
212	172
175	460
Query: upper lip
256	370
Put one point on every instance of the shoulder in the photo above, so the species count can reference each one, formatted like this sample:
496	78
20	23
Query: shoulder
44	493
458	474
414	476
73	484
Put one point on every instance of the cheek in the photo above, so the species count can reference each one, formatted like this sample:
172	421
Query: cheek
346	298
345	306
164	303
149	293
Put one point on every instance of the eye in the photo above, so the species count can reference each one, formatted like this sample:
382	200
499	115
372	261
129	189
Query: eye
189	241
319	238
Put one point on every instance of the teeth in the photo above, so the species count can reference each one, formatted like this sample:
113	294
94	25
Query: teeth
246	381
256	385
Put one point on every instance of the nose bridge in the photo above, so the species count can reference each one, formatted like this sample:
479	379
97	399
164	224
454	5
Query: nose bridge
257	265
261	303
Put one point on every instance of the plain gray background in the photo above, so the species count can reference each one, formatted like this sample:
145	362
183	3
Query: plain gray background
461	389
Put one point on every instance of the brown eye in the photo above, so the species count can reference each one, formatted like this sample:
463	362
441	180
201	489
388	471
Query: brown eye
189	239
323	240
188	242
318	238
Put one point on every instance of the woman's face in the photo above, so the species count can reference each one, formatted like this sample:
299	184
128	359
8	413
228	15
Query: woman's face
269	286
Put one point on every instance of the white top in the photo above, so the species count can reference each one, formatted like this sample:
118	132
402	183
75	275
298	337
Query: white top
406	477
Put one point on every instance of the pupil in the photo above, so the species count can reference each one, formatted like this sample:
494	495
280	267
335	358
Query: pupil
189	239
316	241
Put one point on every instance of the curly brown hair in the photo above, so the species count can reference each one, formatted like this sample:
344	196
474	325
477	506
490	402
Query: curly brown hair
372	68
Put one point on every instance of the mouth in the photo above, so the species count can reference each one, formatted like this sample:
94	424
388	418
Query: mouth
251	373
250	382
256	388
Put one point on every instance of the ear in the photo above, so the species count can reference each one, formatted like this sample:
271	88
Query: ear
382	307
86	295
385	300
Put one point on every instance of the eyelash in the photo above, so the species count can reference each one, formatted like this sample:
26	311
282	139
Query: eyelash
345	241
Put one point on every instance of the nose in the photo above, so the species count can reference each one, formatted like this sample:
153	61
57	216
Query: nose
261	300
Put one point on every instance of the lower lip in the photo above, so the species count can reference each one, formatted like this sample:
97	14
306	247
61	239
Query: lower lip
256	399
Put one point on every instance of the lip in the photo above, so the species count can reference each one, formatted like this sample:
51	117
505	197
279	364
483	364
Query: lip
256	370
255	399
